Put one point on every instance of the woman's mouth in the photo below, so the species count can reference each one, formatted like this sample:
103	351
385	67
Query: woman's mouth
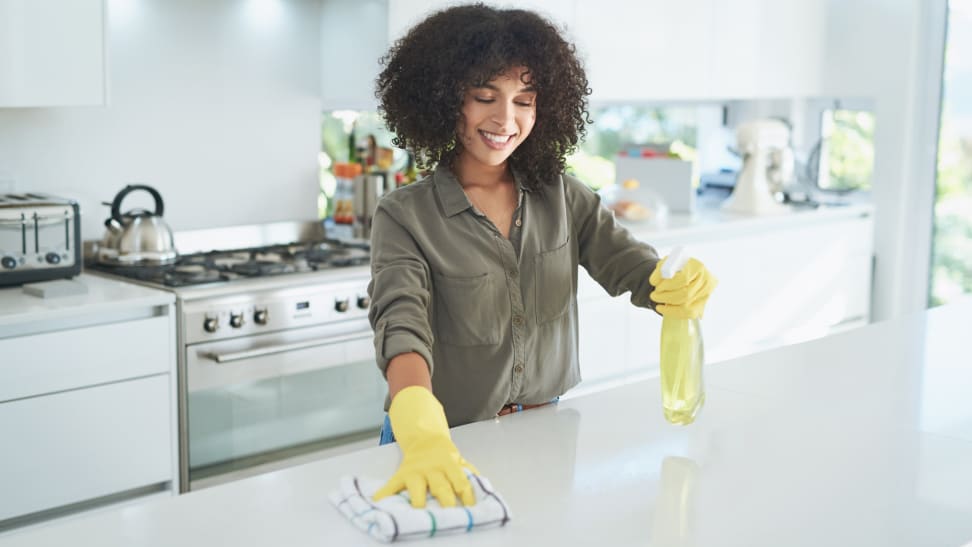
495	140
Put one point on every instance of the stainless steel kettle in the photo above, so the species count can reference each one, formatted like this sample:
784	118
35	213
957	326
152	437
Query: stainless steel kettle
137	236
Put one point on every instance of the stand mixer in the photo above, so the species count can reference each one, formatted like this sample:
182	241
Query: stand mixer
767	166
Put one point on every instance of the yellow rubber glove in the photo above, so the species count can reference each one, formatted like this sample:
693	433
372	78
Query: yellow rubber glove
429	459
684	295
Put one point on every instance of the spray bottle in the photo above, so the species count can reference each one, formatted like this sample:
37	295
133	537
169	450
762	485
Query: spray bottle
681	357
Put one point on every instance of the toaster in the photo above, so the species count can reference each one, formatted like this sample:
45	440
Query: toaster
40	238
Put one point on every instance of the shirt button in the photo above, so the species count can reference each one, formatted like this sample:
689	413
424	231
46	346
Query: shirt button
512	273
517	320
518	223
518	369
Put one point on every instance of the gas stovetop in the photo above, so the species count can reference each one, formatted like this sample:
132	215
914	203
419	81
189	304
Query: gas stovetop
222	256
228	265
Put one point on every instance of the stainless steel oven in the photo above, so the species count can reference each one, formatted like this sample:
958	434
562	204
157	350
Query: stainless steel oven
309	385
275	352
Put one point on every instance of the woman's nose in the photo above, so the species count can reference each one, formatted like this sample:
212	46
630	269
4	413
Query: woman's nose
503	113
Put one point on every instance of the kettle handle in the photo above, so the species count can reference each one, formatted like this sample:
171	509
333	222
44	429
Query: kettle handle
116	204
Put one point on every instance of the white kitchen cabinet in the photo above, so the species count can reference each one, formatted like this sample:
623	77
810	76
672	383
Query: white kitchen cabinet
355	34
83	444
694	50
781	281
87	398
655	50
787	285
652	49
403	14
603	338
52	53
767	48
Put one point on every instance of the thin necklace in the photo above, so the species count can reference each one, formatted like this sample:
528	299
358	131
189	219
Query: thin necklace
517	222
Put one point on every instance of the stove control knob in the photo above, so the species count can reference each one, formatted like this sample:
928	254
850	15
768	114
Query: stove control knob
342	305
52	258
363	302
260	317
211	324
236	320
8	262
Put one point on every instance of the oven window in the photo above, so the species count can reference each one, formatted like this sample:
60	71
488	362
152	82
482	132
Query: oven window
242	424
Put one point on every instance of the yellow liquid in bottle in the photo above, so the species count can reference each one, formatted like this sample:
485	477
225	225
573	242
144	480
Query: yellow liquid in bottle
681	370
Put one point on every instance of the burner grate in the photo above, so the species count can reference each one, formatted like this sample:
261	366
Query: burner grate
227	265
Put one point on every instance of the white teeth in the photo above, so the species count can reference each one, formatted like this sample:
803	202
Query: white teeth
500	139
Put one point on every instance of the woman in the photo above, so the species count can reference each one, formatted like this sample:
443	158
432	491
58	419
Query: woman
474	268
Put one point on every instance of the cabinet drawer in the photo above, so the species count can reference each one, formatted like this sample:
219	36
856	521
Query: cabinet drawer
69	359
82	444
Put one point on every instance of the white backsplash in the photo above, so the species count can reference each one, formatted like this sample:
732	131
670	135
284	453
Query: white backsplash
216	106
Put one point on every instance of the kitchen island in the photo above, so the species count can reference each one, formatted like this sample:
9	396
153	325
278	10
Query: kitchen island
863	438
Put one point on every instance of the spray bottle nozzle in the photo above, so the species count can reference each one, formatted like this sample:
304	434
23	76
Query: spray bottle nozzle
675	261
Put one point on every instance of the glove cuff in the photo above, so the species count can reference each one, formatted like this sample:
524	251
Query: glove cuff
416	413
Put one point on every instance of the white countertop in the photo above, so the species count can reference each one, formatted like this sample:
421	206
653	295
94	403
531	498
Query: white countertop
860	439
104	296
709	218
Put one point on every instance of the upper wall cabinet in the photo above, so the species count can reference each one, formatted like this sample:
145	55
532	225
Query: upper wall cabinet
657	50
649	50
645	50
768	48
403	14
52	53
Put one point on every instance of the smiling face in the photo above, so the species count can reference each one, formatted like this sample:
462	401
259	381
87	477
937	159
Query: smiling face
495	119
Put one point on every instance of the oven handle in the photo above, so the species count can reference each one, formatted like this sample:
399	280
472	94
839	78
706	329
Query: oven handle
283	348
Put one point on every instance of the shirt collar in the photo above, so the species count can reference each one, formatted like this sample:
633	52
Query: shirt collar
454	199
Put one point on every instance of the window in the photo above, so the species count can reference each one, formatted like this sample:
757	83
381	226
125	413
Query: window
846	150
951	267
340	130
619	127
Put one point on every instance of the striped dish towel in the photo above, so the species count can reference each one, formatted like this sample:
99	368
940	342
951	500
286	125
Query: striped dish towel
394	519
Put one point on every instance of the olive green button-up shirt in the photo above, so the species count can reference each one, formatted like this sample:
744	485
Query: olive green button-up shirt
495	318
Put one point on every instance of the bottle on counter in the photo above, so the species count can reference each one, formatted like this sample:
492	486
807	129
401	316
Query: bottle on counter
683	393
345	174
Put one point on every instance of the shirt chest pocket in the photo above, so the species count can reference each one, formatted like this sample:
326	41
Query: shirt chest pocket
468	311
554	278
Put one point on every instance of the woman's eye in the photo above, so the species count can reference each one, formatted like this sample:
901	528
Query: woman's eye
486	100
525	103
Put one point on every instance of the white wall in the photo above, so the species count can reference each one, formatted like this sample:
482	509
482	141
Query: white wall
891	51
214	103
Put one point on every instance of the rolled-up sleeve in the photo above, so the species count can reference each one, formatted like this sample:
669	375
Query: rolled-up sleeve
400	292
610	254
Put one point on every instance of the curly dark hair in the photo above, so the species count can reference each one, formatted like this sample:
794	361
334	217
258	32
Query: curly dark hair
426	73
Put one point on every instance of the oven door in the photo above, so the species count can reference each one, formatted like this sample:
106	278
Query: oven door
257	399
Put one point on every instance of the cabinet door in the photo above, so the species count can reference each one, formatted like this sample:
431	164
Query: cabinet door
701	49
644	340
646	50
83	444
767	48
785	286
602	328
403	14
87	356
52	53
790	54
